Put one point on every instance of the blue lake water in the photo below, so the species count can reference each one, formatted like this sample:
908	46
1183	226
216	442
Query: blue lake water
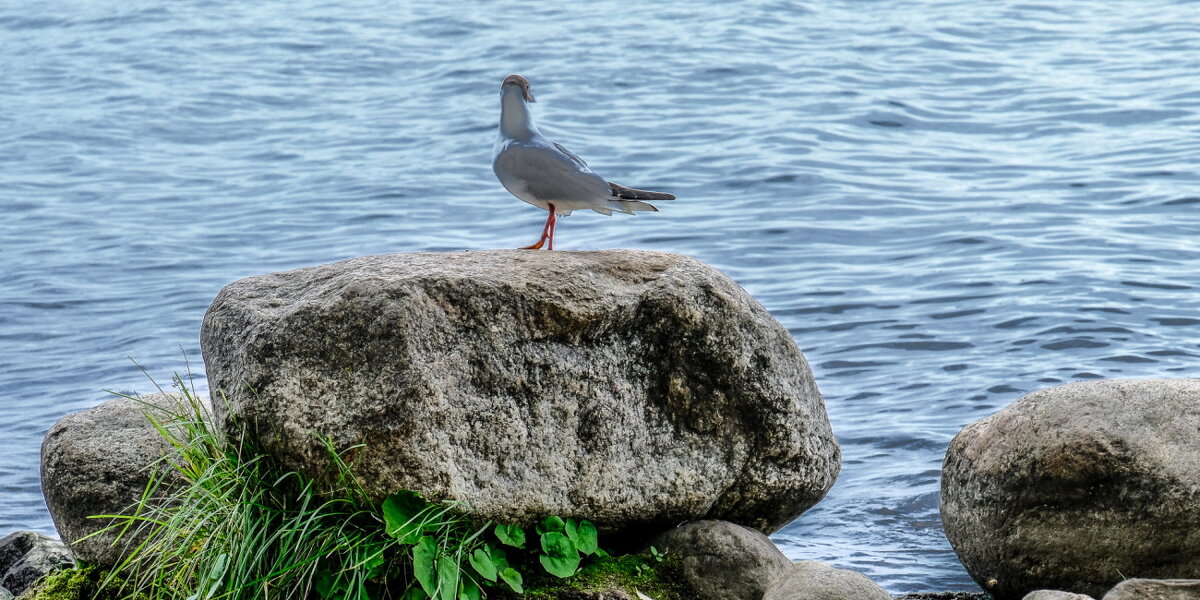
948	203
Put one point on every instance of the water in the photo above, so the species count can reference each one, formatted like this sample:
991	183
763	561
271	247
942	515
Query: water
949	204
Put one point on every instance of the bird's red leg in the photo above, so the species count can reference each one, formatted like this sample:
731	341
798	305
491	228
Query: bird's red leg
545	234
553	224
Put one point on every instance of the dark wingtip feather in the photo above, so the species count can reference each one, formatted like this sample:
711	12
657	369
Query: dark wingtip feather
626	193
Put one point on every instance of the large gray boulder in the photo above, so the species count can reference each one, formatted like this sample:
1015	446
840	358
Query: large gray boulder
1078	486
720	560
637	389
812	580
1155	589
98	462
27	556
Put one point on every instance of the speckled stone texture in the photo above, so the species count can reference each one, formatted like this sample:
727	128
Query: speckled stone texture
1055	595
637	389
720	560
27	556
1155	589
1078	486
812	580
97	462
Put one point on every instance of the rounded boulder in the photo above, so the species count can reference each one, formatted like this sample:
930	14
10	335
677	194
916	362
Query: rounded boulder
635	389
98	462
1077	487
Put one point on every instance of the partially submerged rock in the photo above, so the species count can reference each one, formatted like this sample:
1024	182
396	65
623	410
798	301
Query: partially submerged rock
1078	486
812	580
719	560
1155	589
97	462
27	556
635	389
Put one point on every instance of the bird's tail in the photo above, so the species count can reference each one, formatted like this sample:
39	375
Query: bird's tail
621	192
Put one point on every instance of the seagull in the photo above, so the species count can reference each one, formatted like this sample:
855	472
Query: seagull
545	174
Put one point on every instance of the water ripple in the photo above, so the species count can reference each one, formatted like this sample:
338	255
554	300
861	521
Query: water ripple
948	204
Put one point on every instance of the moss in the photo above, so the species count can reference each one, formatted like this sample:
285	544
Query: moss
84	583
631	573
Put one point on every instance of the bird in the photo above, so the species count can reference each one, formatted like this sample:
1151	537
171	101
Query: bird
545	174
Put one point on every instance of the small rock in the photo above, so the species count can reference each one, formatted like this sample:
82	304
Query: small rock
27	556
722	560
1074	486
611	594
14	546
1155	589
96	462
1055	595
812	580
946	596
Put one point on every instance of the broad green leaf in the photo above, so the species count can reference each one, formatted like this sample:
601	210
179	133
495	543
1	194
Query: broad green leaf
217	571
481	560
551	523
558	545
559	567
400	516
425	564
511	535
414	594
499	558
513	578
561	558
325	584
374	563
570	529
447	570
470	591
586	538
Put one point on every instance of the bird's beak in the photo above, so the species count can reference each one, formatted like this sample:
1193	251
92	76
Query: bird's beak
529	96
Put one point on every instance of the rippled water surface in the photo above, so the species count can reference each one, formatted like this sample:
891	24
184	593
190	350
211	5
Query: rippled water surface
949	204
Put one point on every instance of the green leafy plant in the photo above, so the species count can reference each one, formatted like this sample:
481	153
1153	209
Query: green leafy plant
220	520
455	557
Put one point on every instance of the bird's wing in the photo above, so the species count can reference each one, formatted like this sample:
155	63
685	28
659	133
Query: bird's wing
574	157
549	173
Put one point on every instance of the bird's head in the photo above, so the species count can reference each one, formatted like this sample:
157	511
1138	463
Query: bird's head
520	82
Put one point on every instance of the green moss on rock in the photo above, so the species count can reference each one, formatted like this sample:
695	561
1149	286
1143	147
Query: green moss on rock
606	579
84	583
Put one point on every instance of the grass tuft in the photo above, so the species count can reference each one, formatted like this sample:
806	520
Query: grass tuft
219	520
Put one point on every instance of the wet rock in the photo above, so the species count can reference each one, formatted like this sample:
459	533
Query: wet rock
638	389
97	462
27	556
1155	589
720	560
812	580
1055	595
1077	486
